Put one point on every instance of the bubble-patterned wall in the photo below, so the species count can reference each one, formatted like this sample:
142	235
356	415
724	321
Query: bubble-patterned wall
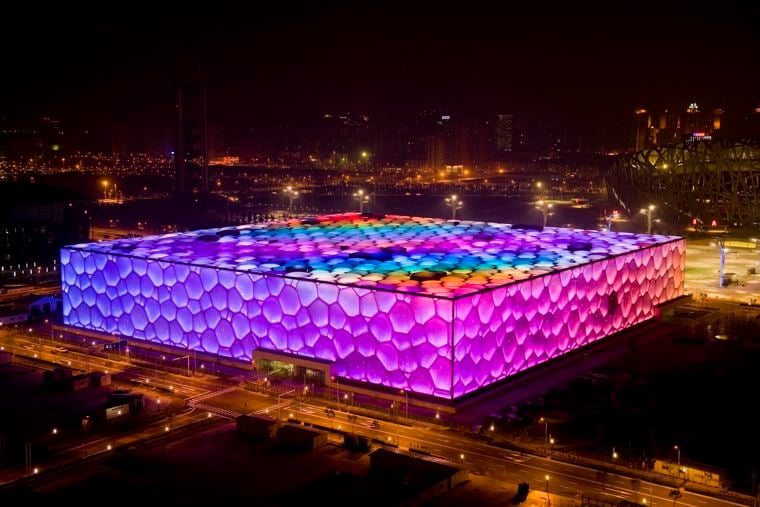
431	306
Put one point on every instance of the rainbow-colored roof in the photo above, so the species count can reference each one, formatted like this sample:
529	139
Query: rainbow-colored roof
431	256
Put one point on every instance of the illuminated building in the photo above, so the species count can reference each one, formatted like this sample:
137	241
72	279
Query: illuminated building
503	133
434	307
703	181
673	125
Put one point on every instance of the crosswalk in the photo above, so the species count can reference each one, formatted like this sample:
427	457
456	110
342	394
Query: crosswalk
218	410
210	394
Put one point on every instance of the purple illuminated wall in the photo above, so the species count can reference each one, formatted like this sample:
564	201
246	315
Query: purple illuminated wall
392	338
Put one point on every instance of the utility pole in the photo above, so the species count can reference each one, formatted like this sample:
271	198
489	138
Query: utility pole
648	212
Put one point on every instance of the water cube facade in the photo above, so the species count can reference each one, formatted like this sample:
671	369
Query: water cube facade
434	307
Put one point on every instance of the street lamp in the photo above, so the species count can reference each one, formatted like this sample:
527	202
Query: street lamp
454	203
361	198
546	431
548	499
648	212
292	194
337	390
612	216
678	449
545	209
105	190
406	395
614	453
723	251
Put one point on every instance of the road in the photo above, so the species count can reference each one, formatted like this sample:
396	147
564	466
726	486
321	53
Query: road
439	444
207	394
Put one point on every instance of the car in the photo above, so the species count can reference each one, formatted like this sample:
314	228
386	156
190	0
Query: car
374	424
61	349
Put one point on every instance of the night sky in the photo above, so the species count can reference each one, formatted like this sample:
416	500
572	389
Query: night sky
87	64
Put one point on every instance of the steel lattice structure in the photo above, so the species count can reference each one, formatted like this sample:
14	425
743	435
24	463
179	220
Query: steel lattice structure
706	180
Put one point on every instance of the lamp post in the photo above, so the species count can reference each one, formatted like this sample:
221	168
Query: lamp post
337	390
723	250
105	190
545	209
548	498
406	395
648	212
678	449
292	194
361	198
611	217
546	431
454	203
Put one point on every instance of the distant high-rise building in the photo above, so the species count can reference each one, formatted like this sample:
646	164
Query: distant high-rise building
436	151
503	133
675	125
191	150
643	124
37	219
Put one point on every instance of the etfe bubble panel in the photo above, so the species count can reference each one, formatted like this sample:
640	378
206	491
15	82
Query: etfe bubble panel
431	306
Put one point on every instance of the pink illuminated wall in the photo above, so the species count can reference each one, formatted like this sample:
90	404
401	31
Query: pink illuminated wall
509	329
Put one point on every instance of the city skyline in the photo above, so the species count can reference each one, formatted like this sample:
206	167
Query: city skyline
263	65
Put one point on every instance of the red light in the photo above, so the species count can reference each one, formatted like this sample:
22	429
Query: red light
693	221
714	223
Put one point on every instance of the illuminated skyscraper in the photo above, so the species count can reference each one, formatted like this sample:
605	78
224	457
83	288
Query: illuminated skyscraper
503	133
190	152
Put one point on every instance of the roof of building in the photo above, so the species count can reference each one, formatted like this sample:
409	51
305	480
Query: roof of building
25	193
444	258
